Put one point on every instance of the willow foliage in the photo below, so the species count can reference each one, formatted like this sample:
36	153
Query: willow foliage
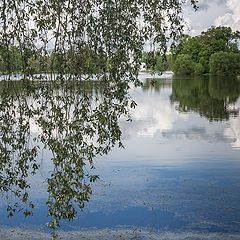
97	40
75	30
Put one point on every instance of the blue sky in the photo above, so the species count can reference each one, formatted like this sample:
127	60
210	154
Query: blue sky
212	13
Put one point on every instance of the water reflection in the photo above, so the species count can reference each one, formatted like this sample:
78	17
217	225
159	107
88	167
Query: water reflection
233	128
212	97
59	128
74	121
153	84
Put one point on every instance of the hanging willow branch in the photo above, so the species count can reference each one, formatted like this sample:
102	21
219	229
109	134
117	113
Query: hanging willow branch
60	41
79	37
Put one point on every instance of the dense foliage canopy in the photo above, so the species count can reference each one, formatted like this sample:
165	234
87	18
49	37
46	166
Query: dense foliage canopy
201	48
224	63
183	64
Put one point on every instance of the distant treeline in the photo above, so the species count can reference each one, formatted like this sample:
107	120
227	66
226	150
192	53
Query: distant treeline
215	51
14	59
156	61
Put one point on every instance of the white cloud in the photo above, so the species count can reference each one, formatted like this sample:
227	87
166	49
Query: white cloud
232	17
205	16
205	4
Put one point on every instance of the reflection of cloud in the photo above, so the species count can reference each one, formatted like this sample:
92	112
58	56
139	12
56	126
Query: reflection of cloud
154	114
231	18
156	117
195	133
233	129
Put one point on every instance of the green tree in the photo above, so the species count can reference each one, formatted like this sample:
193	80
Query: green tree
183	65
198	69
200	48
218	39
11	59
188	45
225	63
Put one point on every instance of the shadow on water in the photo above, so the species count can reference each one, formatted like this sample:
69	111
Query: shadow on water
75	121
213	97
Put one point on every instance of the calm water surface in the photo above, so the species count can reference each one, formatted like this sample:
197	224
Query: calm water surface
179	170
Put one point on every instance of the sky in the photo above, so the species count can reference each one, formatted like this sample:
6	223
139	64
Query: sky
212	13
209	13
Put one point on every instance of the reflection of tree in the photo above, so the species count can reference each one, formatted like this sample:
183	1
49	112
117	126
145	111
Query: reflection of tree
155	84
16	152
75	123
210	96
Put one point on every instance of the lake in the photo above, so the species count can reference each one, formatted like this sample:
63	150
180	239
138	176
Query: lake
179	170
